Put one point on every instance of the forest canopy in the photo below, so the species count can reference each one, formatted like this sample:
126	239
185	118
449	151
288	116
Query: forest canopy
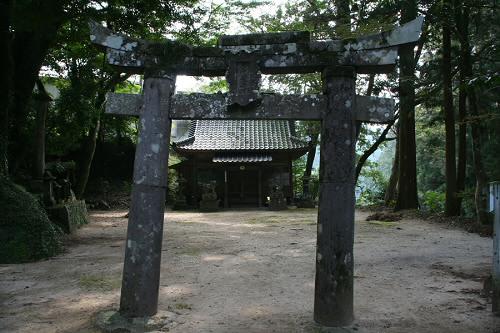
439	154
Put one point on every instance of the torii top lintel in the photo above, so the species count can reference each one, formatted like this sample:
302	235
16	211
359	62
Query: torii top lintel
272	53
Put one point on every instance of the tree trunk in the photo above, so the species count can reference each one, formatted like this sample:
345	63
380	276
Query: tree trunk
91	139
343	18
451	208
43	100
407	185
30	46
5	81
372	149
378	142
462	142
479	171
390	193
86	161
462	111
481	177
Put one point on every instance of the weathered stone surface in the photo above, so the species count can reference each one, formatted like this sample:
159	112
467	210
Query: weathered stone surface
273	106
154	134
370	61
215	106
69	215
209	201
124	104
266	49
113	321
277	199
370	109
106	38
265	38
279	53
243	76
377	61
141	270
407	33
333	301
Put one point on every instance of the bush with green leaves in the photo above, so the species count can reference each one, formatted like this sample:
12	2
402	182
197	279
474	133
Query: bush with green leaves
26	233
371	185
433	201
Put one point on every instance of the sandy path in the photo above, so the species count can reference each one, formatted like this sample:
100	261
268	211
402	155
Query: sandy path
253	271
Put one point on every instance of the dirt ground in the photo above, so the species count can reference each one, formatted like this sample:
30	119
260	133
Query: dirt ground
253	271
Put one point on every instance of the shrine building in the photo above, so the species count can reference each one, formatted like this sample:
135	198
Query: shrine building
244	158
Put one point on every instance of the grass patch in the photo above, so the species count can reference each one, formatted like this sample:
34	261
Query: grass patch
190	252
386	224
263	220
282	219
182	306
99	282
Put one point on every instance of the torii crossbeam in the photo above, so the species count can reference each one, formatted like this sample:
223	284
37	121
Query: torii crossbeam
242	59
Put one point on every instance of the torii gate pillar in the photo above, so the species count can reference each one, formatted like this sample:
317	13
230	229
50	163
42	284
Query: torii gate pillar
141	270
333	301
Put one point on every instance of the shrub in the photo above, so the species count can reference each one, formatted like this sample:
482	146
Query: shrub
26	233
433	201
371	186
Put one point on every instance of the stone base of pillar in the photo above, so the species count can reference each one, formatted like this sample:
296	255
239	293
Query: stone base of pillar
112	321
345	329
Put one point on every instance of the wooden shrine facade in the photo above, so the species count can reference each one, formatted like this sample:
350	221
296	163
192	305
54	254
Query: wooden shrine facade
243	158
242	59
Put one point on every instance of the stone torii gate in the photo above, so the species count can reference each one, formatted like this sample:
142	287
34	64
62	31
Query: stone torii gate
242	59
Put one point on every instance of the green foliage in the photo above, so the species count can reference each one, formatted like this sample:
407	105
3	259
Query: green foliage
215	86
298	167
173	178
430	151
371	185
433	201
102	283
26	234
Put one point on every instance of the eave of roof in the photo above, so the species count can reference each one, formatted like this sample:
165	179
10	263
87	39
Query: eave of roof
240	135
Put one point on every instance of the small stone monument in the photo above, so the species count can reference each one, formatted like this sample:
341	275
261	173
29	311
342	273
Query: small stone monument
209	201
277	199
180	202
305	200
61	205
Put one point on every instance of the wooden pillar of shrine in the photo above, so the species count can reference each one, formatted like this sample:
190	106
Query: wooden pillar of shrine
141	270
260	186
226	191
333	302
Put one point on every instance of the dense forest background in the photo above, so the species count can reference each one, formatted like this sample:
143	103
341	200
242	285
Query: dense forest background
438	155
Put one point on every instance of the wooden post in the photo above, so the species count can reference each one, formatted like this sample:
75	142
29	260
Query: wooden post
42	107
290	181
495	203
226	192
260	187
141	270
333	302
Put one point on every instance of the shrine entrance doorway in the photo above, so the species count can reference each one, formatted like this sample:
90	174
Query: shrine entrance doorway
243	187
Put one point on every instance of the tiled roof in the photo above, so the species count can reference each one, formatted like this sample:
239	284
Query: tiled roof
240	135
241	158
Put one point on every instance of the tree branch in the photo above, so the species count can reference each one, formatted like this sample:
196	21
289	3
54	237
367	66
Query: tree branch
382	138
